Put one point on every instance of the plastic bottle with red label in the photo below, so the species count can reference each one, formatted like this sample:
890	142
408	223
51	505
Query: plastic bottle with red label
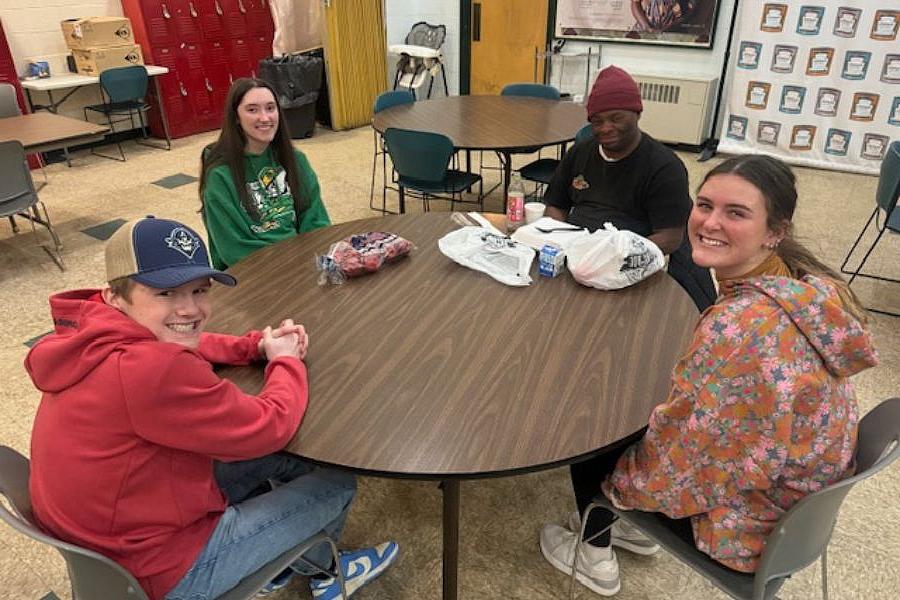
515	204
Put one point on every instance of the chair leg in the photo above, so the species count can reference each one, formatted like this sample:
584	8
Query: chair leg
402	199
12	222
825	573
374	164
856	243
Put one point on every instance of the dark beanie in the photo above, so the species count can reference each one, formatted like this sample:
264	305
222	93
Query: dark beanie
614	89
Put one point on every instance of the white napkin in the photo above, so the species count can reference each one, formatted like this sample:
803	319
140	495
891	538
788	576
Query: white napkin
530	236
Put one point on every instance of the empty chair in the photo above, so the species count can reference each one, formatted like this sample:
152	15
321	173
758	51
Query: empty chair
541	170
9	106
801	535
19	198
123	90
383	102
420	56
886	208
421	160
95	577
533	90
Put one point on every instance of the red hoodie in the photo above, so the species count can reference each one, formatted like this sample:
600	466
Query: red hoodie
128	427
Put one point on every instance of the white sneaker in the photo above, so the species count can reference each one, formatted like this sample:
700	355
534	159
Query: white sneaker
600	576
623	535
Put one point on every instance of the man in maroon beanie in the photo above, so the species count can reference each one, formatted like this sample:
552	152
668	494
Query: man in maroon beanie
623	176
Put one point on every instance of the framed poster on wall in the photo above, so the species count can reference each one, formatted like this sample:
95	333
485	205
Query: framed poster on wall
663	22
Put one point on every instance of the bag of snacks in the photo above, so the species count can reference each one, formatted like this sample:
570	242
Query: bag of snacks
360	254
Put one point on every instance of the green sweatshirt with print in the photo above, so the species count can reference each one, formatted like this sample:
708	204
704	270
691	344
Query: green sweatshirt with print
234	234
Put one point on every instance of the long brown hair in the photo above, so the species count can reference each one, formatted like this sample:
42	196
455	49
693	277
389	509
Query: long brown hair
229	150
777	184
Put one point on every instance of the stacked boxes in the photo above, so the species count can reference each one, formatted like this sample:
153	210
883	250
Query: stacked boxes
100	43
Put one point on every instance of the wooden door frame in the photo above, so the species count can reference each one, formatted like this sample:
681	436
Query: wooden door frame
465	40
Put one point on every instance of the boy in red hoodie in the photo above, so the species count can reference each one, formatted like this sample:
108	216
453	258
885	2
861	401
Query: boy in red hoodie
142	453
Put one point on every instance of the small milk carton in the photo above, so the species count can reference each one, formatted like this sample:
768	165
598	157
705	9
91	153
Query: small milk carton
551	260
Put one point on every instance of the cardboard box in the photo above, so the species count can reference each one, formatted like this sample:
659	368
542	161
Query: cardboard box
97	32
94	60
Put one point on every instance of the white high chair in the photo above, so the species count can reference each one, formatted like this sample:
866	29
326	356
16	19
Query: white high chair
420	58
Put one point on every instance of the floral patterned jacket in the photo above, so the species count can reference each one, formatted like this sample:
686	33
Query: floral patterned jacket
760	413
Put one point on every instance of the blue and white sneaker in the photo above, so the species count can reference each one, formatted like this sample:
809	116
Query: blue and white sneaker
359	568
281	580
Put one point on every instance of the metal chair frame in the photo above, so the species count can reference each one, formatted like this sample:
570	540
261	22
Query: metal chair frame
23	200
118	103
541	171
799	538
885	202
96	577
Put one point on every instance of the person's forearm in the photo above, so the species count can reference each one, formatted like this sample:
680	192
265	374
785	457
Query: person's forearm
668	240
555	213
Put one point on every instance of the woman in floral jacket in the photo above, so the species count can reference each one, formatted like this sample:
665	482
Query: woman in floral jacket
760	411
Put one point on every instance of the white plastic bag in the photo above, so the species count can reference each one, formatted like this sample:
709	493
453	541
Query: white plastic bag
609	259
478	248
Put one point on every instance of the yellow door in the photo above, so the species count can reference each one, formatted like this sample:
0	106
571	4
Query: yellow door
506	34
355	55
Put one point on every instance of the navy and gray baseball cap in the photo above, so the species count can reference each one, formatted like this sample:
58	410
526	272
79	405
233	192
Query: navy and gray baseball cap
159	253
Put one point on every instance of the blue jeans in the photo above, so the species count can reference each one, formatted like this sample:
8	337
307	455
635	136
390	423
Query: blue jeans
254	530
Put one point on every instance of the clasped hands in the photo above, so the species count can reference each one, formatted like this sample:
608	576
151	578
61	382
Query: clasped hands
288	339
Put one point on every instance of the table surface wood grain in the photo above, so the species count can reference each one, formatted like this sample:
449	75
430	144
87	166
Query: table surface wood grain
430	369
489	122
43	128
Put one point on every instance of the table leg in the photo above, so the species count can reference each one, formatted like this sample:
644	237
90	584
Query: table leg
507	173
162	112
451	537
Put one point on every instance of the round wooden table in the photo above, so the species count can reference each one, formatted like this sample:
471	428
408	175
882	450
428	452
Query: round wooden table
502	124
428	369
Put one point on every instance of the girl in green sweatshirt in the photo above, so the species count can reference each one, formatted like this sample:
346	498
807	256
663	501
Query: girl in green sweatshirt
255	188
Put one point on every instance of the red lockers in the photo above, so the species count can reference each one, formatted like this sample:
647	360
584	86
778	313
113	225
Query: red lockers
205	44
8	75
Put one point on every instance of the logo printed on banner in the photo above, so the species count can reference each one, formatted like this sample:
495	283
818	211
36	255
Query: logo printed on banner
767	132
838	142
846	22
810	21
874	145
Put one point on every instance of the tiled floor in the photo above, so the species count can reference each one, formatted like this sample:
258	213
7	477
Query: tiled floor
500	517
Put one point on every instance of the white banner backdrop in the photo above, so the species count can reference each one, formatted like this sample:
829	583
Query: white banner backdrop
815	83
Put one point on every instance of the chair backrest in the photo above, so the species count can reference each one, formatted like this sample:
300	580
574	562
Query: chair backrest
889	179
124	83
93	576
419	155
803	532
424	34
393	98
9	106
584	133
16	186
534	90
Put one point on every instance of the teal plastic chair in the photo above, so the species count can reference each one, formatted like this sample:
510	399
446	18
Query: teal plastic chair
800	537
385	101
95	577
541	170
422	161
885	202
123	91
533	90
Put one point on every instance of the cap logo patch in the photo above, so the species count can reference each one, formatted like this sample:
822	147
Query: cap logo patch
183	241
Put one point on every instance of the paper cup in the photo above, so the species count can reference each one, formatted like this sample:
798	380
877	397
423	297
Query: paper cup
533	211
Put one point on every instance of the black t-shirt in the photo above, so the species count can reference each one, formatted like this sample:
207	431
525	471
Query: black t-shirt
644	192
